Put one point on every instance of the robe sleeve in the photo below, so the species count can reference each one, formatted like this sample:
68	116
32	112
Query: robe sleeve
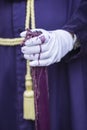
78	25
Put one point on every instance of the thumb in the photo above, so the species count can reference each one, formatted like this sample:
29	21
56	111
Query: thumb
23	34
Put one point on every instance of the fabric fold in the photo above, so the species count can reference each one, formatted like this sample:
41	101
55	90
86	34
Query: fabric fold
41	92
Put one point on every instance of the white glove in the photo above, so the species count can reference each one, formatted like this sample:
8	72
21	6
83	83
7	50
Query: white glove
48	48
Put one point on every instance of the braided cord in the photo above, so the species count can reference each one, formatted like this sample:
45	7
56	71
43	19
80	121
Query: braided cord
31	15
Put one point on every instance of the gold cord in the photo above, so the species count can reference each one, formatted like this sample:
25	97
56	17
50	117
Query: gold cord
32	15
29	109
27	21
10	42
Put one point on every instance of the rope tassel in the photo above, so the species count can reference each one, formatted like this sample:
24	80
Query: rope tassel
28	106
29	112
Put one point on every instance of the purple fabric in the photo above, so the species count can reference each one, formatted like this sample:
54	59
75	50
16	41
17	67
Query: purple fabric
80	29
40	82
67	81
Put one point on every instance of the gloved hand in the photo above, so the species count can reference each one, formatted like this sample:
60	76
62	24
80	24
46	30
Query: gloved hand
48	48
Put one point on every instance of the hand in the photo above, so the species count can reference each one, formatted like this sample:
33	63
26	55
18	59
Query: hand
48	48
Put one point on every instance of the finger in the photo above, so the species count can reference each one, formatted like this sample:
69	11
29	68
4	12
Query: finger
34	49
31	57
30	50
33	41
45	62
40	56
23	34
37	40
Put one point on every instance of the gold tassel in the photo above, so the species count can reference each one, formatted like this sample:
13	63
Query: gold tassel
29	112
28	106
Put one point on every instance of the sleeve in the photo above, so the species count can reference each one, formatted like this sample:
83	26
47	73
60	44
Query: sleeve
78	25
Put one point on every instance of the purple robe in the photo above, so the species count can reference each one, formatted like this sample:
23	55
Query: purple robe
67	79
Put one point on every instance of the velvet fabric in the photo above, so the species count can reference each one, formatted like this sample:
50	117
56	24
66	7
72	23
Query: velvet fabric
41	92
67	80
